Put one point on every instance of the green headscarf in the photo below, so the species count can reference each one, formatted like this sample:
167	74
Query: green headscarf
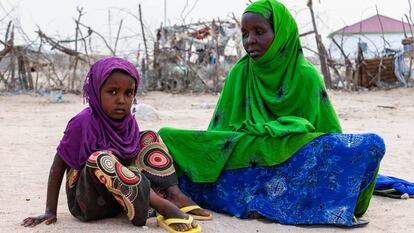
268	109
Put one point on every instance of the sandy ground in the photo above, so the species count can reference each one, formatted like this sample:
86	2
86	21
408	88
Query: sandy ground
31	127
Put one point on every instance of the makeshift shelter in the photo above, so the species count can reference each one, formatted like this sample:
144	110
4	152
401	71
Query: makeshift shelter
194	57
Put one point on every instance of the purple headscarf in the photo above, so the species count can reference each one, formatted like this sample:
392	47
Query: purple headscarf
92	130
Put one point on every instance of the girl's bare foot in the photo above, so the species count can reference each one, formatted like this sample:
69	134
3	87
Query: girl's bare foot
169	210
174	195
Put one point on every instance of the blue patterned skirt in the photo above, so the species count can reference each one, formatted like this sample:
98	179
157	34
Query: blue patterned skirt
319	184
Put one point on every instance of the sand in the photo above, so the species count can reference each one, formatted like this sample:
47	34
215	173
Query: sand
31	127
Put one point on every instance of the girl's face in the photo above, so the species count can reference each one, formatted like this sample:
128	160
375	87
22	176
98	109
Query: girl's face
257	34
117	95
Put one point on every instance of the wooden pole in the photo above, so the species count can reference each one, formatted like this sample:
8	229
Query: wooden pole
145	46
321	49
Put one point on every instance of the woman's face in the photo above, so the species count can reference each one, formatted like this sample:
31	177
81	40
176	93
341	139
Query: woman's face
117	95
257	34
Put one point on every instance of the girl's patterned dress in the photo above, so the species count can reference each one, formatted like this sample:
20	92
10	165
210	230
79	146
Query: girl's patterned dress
107	186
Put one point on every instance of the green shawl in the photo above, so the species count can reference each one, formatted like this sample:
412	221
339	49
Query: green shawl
268	109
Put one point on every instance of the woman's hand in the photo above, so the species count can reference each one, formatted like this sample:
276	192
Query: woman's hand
46	218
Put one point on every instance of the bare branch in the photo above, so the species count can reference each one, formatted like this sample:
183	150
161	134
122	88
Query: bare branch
235	19
323	56
98	34
410	23
306	33
347	60
191	9
143	34
117	36
382	29
182	11
56	45
6	37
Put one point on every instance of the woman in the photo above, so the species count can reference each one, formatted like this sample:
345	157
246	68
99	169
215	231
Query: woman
273	146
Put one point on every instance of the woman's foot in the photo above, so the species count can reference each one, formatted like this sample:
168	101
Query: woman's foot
254	215
169	210
174	195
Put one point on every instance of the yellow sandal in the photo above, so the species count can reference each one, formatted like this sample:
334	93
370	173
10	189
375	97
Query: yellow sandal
165	223
187	209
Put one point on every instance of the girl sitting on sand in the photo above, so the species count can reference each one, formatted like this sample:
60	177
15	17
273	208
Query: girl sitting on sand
112	166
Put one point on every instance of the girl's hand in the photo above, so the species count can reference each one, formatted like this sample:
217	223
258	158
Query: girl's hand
47	218
55	180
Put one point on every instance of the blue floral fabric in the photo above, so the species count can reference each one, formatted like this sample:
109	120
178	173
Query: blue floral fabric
319	184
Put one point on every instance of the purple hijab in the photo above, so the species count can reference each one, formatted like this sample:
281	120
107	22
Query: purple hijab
92	130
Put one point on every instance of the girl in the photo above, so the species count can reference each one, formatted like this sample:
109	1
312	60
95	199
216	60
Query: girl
112	166
274	146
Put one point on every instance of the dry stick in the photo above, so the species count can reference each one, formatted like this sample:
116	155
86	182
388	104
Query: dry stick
56	45
384	106
412	36
2	78
409	12
191	9
21	69
331	62
110	26
355	73
9	67
85	47
72	82
235	19
38	63
5	51
408	20
378	75
409	69
143	33
182	11
405	37
145	27
90	42
145	46
216	34
12	63
117	36
59	81
100	36
402	23
8	44
6	36
26	67
188	64
348	62
321	49
7	14
204	23
306	33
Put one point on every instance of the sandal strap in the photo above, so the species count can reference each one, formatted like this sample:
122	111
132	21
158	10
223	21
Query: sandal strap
178	220
190	208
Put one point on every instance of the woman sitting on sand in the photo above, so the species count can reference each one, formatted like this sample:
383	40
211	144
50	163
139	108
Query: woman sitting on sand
274	145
